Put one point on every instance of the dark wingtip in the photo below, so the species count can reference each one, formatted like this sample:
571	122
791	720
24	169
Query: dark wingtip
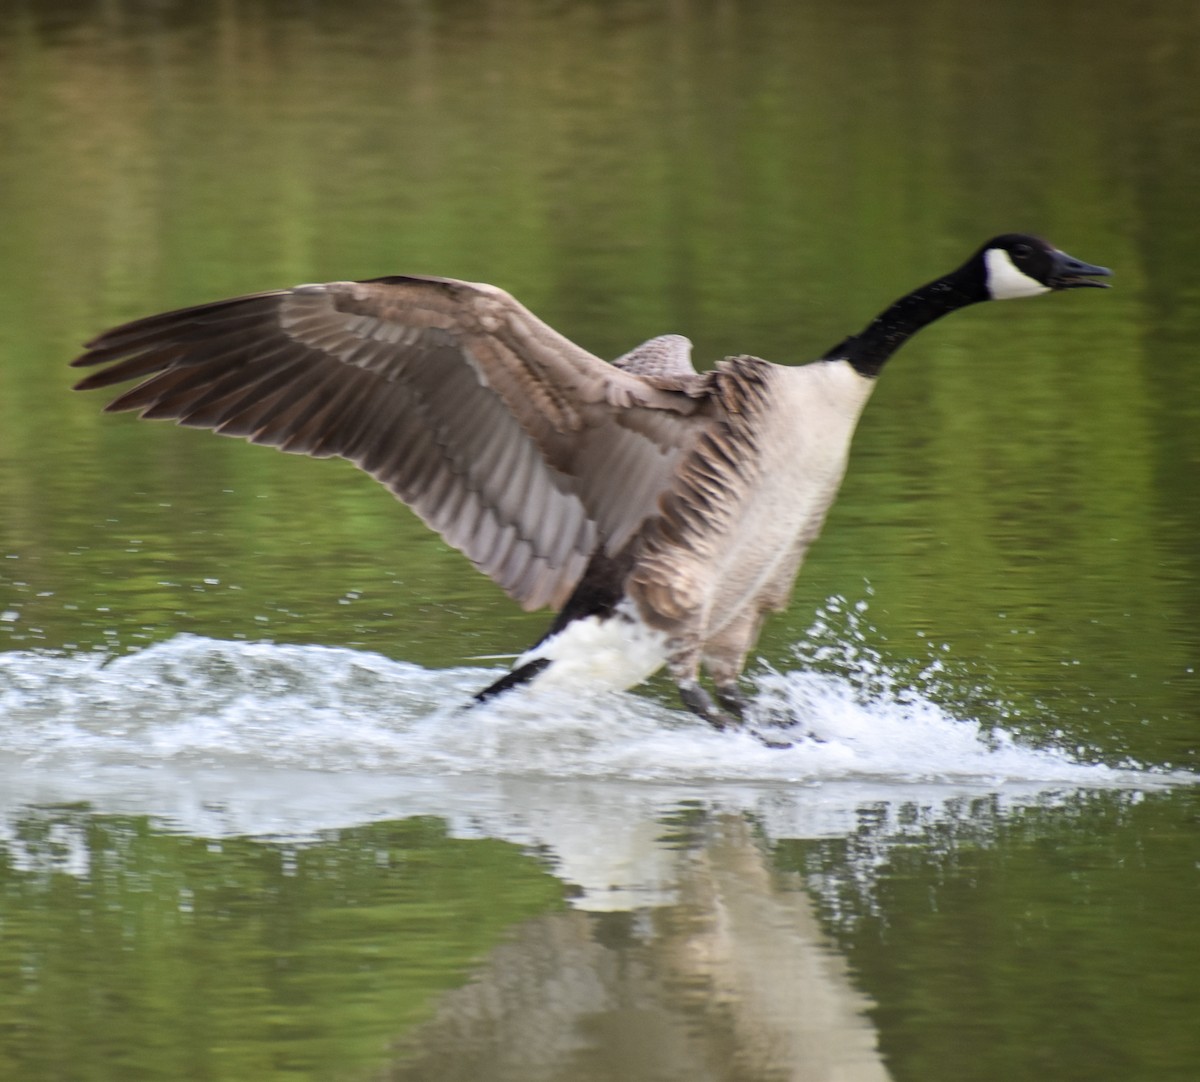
93	353
89	382
104	377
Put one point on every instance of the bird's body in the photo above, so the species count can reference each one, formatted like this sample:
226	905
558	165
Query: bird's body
663	512
750	498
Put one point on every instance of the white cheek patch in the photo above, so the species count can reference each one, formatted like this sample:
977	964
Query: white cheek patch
1005	282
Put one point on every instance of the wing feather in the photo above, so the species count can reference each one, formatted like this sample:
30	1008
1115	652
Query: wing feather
520	448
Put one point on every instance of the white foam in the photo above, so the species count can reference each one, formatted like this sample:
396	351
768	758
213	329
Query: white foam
207	702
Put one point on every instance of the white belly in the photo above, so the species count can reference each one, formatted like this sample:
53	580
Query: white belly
599	653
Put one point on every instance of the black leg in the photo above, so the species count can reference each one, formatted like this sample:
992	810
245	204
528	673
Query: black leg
731	698
700	703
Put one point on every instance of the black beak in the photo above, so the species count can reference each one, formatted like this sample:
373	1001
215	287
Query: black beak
1067	272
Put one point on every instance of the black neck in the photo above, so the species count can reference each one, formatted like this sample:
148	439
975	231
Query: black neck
869	350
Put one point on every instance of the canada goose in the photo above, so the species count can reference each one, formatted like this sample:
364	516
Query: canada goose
663	512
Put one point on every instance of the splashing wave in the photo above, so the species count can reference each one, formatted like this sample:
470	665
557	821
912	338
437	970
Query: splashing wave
217	703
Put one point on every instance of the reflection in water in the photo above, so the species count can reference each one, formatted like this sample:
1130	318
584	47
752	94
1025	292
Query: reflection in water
734	981
326	951
397	950
266	930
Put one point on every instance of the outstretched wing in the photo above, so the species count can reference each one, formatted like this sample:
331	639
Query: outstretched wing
521	449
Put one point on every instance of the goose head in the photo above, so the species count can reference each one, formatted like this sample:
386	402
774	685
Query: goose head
1020	265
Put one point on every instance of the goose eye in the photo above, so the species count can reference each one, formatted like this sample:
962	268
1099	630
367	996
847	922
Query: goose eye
1022	251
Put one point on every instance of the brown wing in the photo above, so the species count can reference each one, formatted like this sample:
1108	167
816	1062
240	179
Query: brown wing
520	448
665	362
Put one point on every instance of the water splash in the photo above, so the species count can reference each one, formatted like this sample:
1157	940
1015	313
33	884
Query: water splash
215	703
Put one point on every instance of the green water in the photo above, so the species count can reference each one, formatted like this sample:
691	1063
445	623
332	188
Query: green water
1022	503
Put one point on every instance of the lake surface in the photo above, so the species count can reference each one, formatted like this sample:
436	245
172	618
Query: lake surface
246	833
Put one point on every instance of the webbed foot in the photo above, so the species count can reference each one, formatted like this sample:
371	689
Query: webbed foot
700	703
731	698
